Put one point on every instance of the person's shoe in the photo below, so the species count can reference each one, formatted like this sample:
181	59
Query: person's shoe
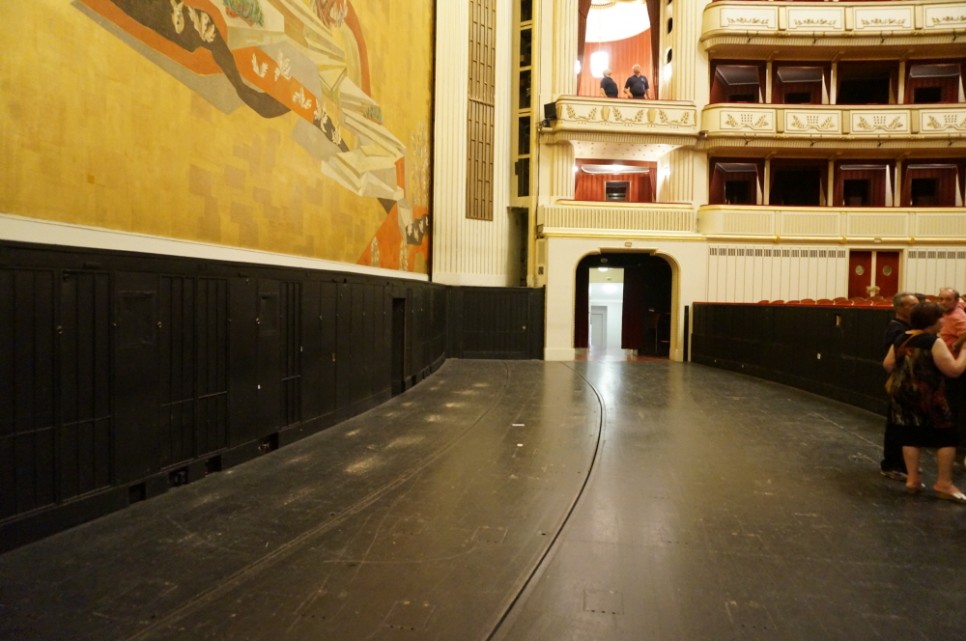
958	497
895	475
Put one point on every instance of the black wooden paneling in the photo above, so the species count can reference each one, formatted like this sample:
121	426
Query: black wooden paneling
136	380
832	351
312	353
212	333
129	372
84	432
399	343
345	368
177	359
27	376
328	339
290	328
270	321
243	361
490	322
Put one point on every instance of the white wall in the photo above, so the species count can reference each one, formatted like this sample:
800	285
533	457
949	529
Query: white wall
750	273
610	296
928	269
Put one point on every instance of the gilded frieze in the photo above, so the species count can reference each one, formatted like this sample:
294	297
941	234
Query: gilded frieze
807	19
940	17
749	18
938	122
879	19
809	122
635	115
818	22
877	123
748	120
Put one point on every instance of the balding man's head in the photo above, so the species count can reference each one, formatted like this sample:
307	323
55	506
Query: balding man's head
948	299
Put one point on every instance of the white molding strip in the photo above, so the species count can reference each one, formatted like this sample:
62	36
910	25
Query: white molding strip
31	230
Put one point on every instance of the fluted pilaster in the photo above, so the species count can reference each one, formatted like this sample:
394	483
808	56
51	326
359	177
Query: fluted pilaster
449	199
688	78
564	47
683	177
562	183
468	251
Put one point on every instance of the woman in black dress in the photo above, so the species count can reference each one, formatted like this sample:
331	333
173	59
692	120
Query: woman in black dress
918	363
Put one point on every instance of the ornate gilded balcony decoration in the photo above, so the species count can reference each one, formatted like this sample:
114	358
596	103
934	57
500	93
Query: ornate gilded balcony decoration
948	19
627	114
941	121
830	127
869	123
817	122
741	26
874	23
749	21
746	120
622	120
813	22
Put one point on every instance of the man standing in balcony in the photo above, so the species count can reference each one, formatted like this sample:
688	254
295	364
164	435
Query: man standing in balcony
608	88
636	86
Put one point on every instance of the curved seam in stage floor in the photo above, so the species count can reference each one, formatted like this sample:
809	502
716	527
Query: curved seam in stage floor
540	565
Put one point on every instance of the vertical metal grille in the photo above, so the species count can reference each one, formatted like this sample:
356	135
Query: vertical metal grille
481	109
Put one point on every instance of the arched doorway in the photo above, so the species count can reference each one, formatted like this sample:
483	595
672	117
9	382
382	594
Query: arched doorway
644	308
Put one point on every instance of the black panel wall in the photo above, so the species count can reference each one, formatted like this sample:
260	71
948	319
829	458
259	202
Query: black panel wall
124	374
490	322
832	351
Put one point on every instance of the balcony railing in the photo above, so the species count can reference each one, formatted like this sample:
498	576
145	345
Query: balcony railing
582	218
871	125
823	24
621	120
677	124
822	224
890	224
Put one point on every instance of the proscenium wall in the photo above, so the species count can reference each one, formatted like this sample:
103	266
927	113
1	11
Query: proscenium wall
289	128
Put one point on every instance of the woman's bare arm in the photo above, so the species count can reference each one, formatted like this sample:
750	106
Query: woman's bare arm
948	364
889	362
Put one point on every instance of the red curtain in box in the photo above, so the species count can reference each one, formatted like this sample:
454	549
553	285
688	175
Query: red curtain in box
943	176
873	177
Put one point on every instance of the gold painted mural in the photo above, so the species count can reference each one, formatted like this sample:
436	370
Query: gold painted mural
291	126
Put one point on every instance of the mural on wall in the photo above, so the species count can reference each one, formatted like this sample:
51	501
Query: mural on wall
306	61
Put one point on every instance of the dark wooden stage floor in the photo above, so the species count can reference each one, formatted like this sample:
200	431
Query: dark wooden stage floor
526	501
